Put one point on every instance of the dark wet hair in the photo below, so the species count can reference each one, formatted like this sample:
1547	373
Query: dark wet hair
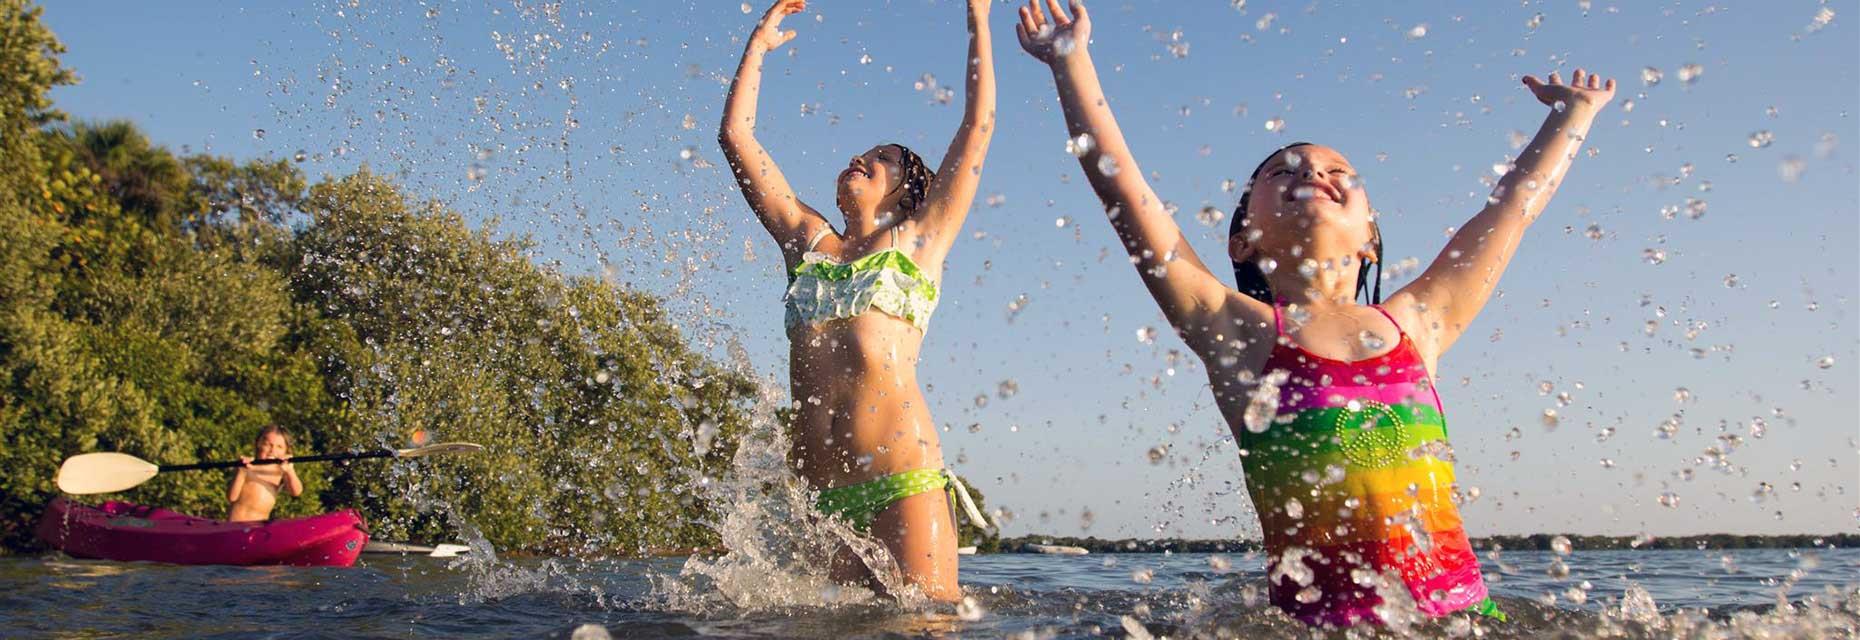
917	178
1251	280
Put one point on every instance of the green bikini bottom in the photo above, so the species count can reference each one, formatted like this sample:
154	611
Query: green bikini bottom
858	504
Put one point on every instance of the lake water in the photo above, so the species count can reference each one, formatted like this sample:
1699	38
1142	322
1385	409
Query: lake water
1629	594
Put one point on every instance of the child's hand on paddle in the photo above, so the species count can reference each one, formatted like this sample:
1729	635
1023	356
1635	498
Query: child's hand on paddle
1585	90
1048	38
768	34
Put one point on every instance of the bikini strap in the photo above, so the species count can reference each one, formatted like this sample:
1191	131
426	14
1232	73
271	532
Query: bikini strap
1278	327
815	241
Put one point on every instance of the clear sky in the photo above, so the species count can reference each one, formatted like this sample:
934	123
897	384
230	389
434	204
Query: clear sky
592	129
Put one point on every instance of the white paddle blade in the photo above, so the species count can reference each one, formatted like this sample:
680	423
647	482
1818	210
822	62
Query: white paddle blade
89	473
442	447
448	551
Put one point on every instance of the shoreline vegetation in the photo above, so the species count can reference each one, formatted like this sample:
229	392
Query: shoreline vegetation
1534	542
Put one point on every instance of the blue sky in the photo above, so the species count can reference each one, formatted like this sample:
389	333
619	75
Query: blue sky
571	126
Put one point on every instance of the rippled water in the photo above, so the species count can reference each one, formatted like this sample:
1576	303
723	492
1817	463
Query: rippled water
1697	593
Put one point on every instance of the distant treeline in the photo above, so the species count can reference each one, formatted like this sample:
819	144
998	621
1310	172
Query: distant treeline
1538	542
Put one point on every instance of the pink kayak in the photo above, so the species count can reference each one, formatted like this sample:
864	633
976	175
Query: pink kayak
131	532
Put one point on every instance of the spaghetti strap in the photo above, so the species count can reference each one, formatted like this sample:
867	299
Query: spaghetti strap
1278	327
815	241
1385	314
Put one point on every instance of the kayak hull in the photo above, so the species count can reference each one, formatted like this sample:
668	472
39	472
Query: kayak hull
129	532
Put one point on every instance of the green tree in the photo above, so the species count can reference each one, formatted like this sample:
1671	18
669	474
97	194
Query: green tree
599	417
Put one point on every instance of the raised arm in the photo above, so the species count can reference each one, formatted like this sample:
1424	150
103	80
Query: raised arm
1191	296
1450	293
788	219
952	193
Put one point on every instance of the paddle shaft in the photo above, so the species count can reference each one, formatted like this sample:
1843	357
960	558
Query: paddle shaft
382	453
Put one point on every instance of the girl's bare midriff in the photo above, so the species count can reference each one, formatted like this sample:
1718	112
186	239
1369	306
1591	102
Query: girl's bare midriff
260	494
859	413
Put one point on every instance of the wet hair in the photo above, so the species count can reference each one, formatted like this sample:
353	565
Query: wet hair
259	440
1251	280
916	180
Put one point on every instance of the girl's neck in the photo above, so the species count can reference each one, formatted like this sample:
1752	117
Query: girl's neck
1331	280
865	224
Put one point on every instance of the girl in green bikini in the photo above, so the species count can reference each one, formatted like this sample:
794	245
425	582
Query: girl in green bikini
858	302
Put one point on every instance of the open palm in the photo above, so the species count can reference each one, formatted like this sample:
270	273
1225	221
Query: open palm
1047	38
1584	89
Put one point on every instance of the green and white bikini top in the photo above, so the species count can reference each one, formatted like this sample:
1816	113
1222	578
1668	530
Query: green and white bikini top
888	280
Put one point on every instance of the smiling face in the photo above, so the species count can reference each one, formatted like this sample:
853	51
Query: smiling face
1307	195
871	181
272	444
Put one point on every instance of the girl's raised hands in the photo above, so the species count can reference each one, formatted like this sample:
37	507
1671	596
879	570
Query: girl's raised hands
1049	37
768	34
1584	89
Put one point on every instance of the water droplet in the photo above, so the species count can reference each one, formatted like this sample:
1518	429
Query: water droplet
1275	125
1079	146
1653	256
1790	169
1682	395
1307	267
1061	222
258	134
1560	545
1690	73
1146	334
747	8
1370	340
1107	165
865	58
1007	389
1824	362
1650	76
1157	454
592	631
1263	402
1761	139
969	610
1669	499
1417	32
1210	216
1268	265
1294	508
1550	419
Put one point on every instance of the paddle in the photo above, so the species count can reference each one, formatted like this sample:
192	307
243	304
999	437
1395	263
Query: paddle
88	473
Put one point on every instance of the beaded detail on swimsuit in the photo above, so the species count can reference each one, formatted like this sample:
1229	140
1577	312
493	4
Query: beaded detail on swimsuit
1354	487
888	280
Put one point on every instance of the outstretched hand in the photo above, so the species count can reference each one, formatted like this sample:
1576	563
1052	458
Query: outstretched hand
1048	38
1584	89
768	34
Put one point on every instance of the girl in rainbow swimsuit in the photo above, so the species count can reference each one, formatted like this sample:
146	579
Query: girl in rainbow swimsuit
1332	401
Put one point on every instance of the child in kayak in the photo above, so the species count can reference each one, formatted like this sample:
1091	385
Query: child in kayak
255	487
1333	403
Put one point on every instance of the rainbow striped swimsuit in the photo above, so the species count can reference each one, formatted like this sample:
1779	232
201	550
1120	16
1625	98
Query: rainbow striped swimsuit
1355	498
